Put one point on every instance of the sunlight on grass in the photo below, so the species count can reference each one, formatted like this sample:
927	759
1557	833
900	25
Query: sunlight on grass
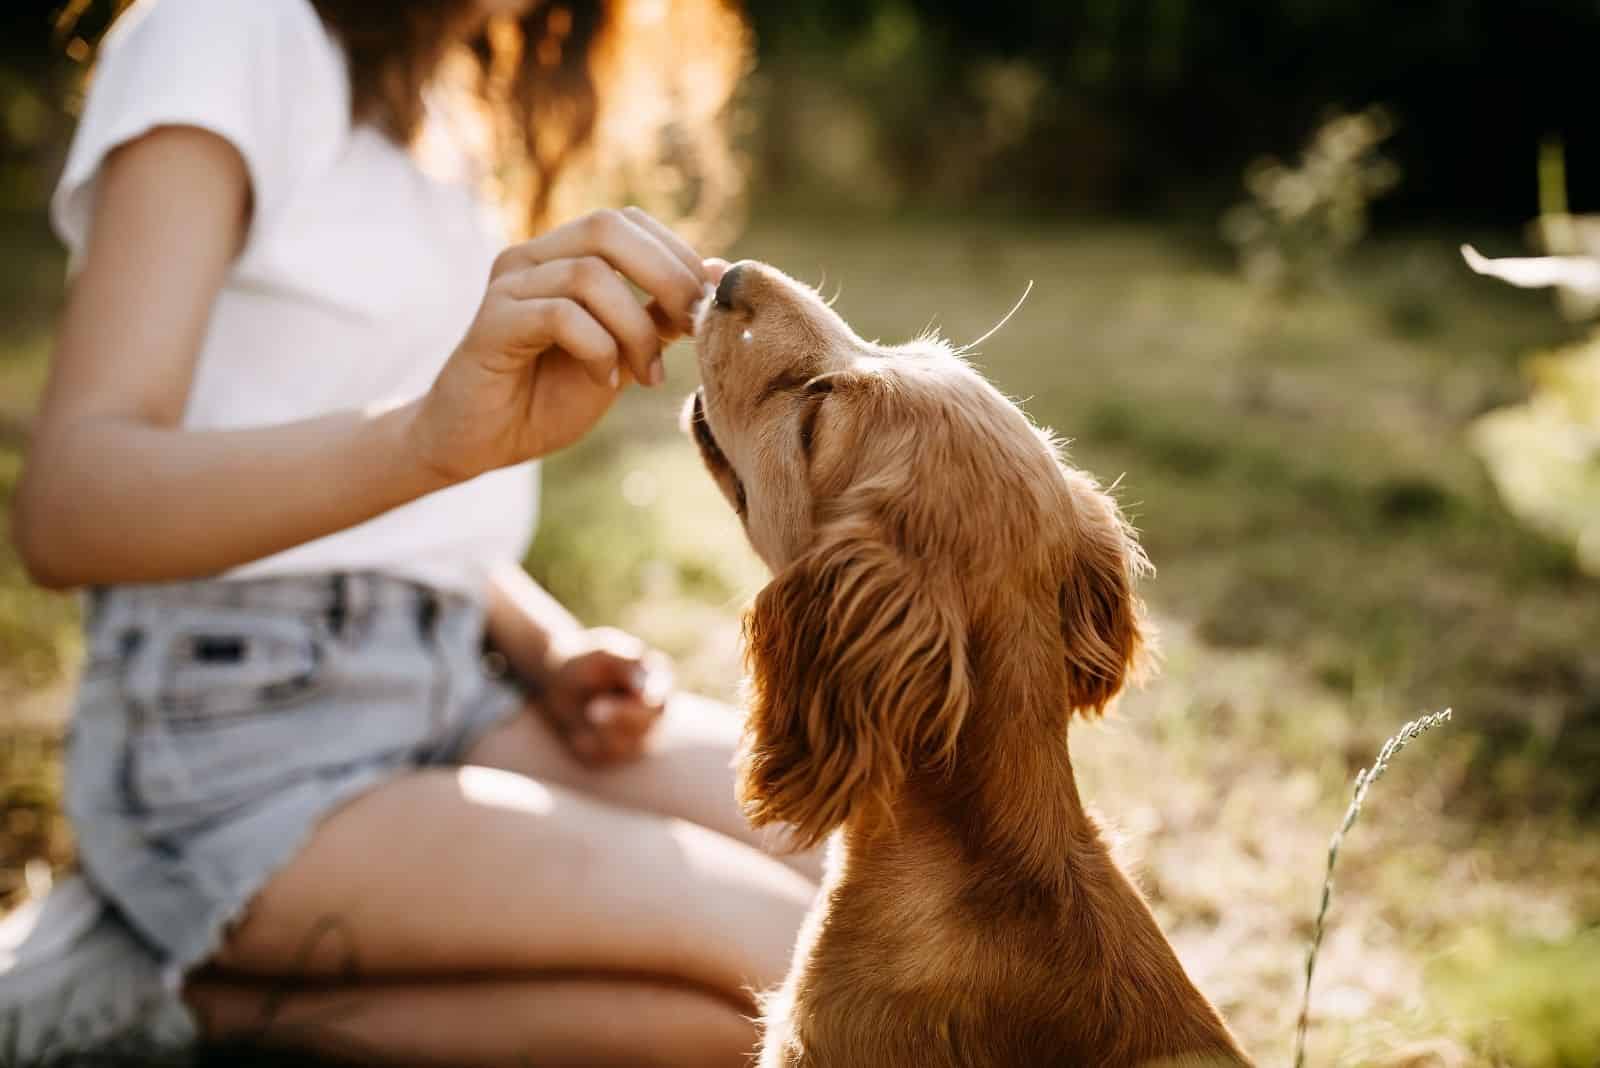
1523	1001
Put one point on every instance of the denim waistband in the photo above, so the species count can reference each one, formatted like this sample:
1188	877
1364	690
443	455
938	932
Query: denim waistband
334	596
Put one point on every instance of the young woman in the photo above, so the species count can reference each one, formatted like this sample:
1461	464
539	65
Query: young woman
286	445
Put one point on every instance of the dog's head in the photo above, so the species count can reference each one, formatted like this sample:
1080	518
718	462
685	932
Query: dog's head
920	530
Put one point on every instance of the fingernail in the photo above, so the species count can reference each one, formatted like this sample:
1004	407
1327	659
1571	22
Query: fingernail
601	711
657	372
615	378
653	687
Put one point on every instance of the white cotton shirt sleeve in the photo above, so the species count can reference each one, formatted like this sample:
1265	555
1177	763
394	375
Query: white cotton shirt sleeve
260	74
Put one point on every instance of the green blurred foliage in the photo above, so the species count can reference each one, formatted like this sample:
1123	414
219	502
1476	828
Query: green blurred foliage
1302	217
1065	108
1544	454
1158	105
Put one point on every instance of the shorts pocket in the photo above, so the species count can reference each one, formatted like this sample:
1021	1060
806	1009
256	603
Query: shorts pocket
220	666
223	708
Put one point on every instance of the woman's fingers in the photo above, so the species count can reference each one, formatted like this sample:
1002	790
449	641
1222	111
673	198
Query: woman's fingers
653	681
626	246
620	715
606	297
666	326
610	730
632	242
567	325
669	240
666	329
616	729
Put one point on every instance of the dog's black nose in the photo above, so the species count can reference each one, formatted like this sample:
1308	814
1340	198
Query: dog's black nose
728	288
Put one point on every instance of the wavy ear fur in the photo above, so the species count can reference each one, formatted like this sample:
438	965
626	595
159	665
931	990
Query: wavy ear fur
1102	620
858	669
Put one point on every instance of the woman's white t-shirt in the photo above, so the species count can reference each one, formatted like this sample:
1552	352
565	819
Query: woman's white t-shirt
360	273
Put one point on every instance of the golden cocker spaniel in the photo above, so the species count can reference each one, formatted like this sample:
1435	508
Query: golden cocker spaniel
947	593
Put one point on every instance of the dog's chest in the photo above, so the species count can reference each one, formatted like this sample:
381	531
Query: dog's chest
898	976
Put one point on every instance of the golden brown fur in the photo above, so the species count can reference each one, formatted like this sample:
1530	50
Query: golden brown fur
947	593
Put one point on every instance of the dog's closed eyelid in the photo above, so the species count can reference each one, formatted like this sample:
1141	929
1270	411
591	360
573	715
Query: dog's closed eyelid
808	421
785	384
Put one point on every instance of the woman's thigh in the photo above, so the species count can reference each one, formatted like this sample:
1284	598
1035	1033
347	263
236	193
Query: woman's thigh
686	772
537	1020
481	871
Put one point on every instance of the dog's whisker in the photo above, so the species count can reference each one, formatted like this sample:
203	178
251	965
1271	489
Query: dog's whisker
996	328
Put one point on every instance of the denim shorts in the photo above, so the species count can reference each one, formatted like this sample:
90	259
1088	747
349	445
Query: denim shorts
217	722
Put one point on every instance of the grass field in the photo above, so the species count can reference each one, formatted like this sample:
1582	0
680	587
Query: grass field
1331	562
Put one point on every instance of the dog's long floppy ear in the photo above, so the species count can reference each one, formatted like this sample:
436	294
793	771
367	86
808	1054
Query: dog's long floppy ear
1102	620
858	669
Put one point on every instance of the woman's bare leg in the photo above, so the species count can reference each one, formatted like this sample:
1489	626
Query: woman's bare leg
686	772
476	871
545	1021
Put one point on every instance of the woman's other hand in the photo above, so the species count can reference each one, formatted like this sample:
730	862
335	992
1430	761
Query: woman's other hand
559	333
603	693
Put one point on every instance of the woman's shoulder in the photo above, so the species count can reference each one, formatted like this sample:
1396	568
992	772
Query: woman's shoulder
264	75
219	16
200	32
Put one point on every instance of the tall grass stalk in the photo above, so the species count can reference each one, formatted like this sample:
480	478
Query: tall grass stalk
1364	781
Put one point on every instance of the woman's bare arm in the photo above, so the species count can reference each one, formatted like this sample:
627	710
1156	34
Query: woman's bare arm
527	624
115	492
112	492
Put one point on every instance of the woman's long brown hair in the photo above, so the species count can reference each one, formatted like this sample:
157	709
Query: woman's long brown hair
589	101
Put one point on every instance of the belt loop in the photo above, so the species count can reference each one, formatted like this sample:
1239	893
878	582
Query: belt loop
94	604
427	610
338	603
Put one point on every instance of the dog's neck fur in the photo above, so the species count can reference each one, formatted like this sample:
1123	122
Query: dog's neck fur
1011	806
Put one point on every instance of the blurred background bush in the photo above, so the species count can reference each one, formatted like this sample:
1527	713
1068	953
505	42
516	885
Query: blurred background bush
1367	476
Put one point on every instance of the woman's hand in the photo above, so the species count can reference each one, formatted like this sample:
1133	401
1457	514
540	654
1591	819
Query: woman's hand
602	693
600	690
558	334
